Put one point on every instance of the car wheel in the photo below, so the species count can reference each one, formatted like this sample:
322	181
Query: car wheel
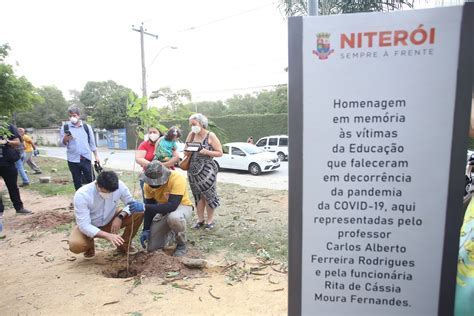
255	169
281	156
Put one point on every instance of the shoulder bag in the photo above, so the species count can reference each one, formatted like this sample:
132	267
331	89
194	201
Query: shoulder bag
186	162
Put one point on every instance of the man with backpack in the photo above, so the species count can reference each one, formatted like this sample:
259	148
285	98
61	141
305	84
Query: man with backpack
78	138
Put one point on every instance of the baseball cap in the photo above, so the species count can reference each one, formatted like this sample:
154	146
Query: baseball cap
155	174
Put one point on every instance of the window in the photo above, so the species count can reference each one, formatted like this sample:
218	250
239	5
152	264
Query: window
284	142
262	142
236	151
273	142
225	149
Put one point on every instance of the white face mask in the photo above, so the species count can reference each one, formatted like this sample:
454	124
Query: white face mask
105	195
153	137
74	119
195	129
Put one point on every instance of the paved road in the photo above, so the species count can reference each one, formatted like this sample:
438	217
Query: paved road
125	160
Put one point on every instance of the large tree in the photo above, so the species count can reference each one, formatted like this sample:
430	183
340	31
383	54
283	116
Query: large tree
266	101
208	108
328	7
47	112
16	93
106	102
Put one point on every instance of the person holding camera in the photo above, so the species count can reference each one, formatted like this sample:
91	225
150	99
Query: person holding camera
9	142
78	137
202	172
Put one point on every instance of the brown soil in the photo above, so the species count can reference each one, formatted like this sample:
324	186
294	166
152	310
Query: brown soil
43	220
41	276
154	264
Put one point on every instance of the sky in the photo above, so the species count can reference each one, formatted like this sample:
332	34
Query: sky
223	47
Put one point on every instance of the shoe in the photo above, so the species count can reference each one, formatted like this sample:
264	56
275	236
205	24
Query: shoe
38	172
198	225
131	250
89	254
23	211
210	226
24	185
181	250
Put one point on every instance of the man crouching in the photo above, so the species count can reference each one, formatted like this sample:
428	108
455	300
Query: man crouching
95	208
167	209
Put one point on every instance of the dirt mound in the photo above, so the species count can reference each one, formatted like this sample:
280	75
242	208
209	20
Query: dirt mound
43	220
155	264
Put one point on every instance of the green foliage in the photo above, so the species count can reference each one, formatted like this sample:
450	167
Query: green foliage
174	99
237	128
266	101
144	117
16	93
47	112
4	51
208	108
329	7
106	102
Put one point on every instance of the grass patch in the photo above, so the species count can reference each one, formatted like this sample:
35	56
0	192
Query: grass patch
64	228
246	223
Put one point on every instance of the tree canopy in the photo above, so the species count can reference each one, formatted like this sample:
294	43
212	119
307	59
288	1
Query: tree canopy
328	7
16	93
106	102
47	112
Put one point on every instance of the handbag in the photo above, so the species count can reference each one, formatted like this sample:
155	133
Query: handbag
186	162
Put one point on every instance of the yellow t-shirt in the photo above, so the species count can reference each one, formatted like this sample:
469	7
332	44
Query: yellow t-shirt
176	185
28	143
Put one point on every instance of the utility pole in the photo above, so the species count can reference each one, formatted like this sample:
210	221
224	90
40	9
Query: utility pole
143	32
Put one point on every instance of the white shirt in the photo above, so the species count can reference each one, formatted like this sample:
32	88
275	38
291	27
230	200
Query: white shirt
93	211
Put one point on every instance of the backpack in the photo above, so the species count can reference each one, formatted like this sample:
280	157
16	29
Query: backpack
86	128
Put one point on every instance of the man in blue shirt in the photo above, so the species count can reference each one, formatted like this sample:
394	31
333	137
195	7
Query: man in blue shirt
95	208
80	145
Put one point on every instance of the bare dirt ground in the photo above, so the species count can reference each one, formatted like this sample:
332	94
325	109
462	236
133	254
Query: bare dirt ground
39	275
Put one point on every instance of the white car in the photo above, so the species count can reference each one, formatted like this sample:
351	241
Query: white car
277	144
244	156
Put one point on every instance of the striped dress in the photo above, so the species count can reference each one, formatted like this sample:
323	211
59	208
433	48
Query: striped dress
202	176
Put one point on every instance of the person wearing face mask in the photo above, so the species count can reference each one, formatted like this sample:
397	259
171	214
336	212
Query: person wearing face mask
167	208
146	153
95	209
78	137
202	173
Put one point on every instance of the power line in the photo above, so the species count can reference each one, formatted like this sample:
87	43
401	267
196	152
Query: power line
226	18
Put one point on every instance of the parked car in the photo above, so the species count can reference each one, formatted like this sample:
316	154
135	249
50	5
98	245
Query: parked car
276	143
245	156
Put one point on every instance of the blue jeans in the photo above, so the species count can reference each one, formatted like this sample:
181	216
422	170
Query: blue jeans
21	169
81	172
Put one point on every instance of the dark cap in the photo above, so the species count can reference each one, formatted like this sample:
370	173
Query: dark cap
155	174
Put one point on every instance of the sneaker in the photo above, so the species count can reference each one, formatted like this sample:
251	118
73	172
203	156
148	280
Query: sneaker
38	172
198	225
24	184
180	250
210	226
131	250
89	254
23	211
